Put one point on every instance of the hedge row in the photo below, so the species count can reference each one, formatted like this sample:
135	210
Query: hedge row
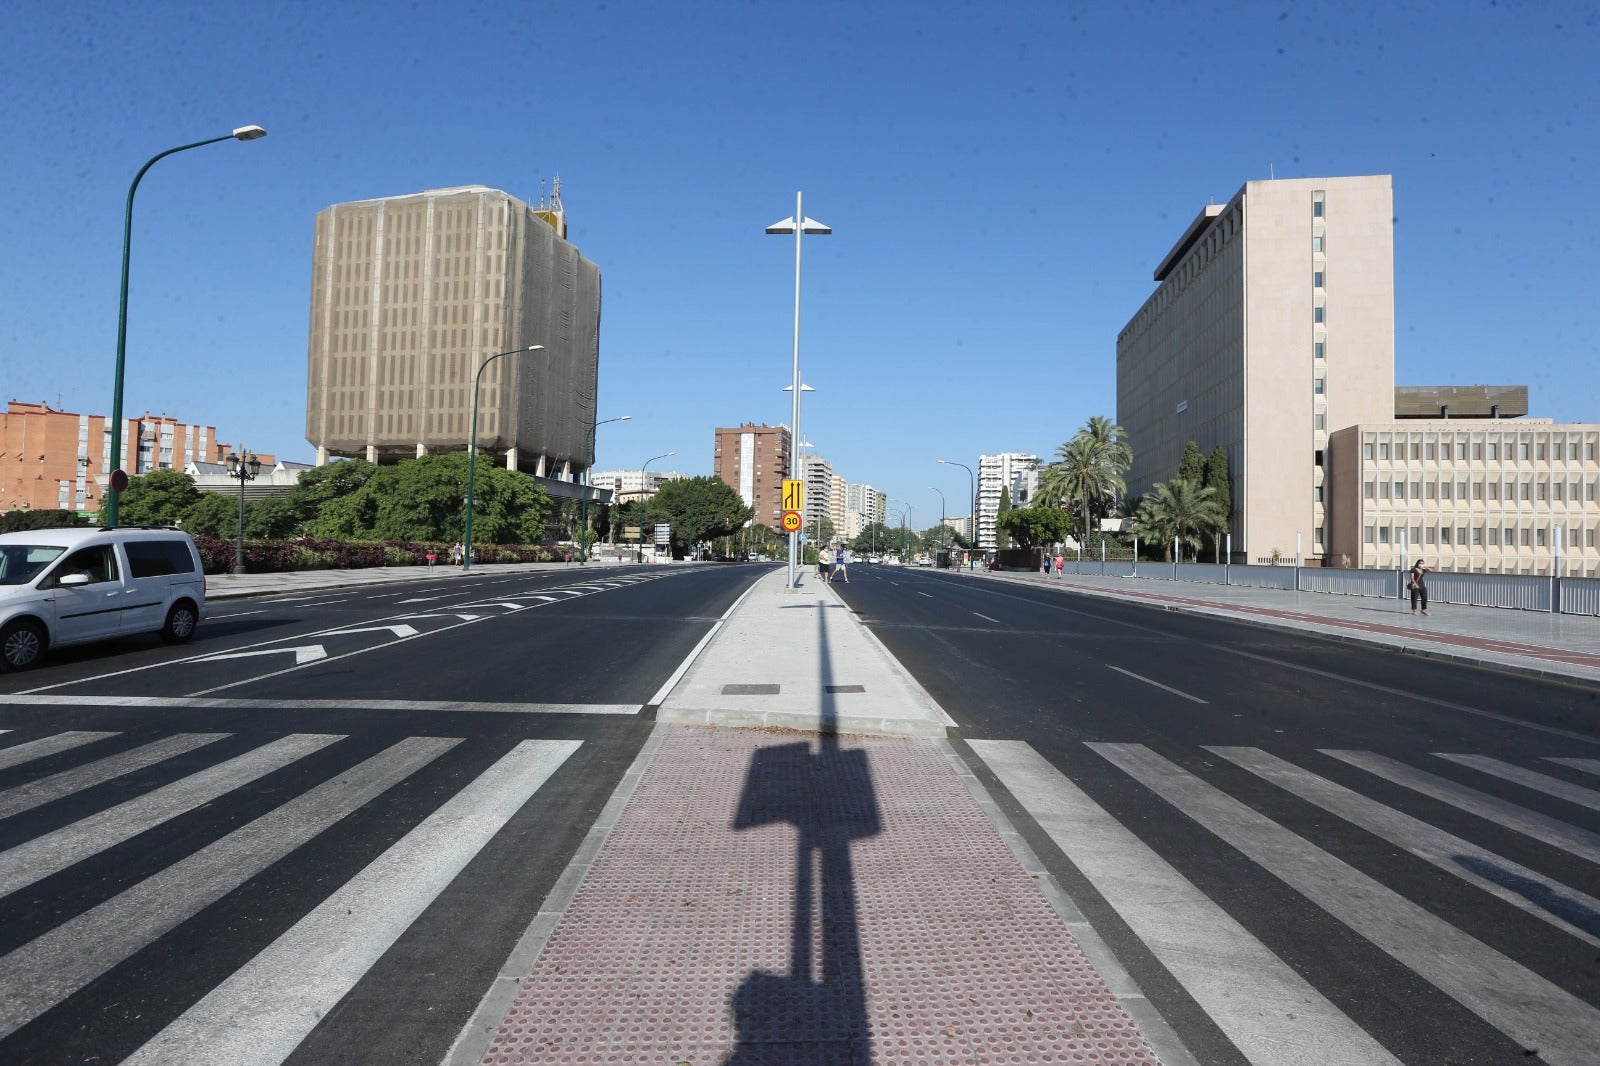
306	553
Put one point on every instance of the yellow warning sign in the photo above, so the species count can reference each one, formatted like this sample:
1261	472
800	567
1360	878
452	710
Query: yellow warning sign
794	495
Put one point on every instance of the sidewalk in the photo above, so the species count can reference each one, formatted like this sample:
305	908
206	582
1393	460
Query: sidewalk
775	895
1554	646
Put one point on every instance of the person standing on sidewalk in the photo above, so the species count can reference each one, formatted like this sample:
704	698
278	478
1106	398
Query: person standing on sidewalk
1419	586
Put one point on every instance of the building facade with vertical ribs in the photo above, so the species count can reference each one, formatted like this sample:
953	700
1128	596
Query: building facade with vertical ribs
412	294
1272	325
753	460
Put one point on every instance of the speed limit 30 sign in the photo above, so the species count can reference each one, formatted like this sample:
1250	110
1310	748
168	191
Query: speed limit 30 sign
791	521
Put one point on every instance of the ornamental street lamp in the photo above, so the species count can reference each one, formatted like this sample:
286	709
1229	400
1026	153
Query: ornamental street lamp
972	498
644	496
241	468
799	225
472	445
114	493
583	506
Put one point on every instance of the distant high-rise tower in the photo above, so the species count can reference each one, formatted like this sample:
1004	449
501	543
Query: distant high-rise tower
411	294
753	460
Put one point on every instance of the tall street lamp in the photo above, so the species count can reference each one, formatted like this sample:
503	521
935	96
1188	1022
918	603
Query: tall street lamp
972	498
942	509
114	492
242	468
472	444
638	554
799	225
583	506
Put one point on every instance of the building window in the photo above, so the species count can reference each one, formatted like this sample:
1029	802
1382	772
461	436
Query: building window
1316	278
1494	452
1317	494
1369	491
1522	452
1477	536
1494	536
1316	204
1316	243
1444	534
1321	349
1317	314
1369	536
1399	490
1319	387
1522	491
1444	490
1383	451
1525	538
1383	534
1477	449
1427	451
1366	450
1321	421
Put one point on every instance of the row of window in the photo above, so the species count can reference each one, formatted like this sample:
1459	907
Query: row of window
1480	536
1572	490
1511	450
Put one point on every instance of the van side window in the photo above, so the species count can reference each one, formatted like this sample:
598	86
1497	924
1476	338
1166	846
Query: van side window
100	563
156	558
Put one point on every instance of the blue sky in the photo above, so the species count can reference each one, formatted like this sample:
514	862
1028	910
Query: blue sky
1001	180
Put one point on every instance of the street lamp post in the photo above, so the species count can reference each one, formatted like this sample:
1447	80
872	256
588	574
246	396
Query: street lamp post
972	498
242	468
941	512
114	494
799	225
583	505
638	555
472	445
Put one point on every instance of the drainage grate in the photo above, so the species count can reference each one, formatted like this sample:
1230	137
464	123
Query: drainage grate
749	690
844	688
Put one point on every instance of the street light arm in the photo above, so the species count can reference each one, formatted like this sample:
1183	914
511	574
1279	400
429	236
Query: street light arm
472	445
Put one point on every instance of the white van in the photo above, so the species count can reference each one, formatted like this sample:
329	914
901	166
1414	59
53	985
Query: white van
73	585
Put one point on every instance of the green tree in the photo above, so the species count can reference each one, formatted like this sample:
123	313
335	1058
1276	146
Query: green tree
874	540
1035	527
214	514
159	498
1192	467
1178	510
424	499
1219	479
1002	539
698	508
821	531
24	519
270	518
1081	476
322	484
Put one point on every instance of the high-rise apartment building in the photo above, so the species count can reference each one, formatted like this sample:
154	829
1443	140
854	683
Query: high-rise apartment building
753	460
866	502
1272	326
818	475
998	474
411	295
59	460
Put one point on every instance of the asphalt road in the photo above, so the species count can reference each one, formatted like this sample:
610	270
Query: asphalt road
407	769
1383	839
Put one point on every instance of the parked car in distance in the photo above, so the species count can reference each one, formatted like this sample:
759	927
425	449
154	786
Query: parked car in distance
60	587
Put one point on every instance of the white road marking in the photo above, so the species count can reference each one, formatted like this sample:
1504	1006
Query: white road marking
1447	851
1556	833
47	970
267	1007
306	653
230	703
986	618
1588	766
1515	1000
921	593
48	789
30	750
217	615
398	630
677	675
1550	786
463	617
1271	1013
423	599
42	856
1157	684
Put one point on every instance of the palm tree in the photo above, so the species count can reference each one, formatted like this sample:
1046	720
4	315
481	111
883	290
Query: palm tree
1180	510
1080	477
1112	438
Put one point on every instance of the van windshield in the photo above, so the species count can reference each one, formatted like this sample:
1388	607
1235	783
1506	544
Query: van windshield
20	563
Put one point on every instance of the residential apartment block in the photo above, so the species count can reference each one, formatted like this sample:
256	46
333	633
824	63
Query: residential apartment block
1479	496
412	295
865	505
996	474
1272	325
817	473
59	460
753	460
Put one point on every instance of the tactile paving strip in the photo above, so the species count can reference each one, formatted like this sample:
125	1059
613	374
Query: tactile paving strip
922	940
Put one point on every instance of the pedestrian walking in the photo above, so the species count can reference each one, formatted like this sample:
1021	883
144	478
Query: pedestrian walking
1061	564
1419	586
824	564
838	565
1046	564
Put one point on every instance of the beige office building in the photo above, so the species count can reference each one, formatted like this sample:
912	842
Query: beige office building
1471	495
412	295
1272	324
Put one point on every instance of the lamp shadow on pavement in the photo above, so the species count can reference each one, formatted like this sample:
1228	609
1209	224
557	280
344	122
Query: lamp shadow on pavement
816	1013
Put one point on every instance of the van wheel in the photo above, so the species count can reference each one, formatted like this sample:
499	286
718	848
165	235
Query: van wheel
181	623
22	645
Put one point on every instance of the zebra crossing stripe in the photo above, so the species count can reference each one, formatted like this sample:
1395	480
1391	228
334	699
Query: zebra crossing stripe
1501	991
52	967
46	789
30	750
263	1012
1270	1012
1588	766
42	856
1556	833
1445	850
1550	786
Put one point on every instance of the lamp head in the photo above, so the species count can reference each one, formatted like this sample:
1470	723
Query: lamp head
249	133
232	463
